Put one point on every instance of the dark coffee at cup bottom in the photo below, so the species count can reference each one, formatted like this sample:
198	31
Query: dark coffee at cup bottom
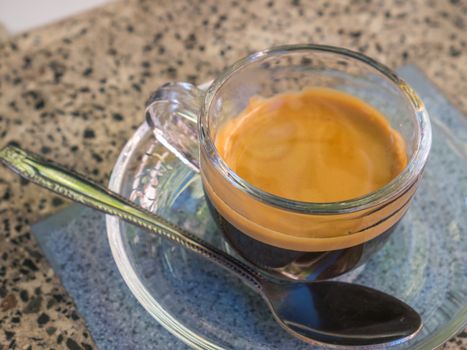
297	264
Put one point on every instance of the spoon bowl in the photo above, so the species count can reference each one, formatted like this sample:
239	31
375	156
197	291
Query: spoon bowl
340	314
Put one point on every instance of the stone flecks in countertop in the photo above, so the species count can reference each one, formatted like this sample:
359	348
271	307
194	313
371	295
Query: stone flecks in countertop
74	91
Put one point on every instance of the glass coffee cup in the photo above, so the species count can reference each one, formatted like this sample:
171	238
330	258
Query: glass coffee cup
288	238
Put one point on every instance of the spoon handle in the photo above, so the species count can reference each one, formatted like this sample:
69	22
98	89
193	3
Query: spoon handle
82	190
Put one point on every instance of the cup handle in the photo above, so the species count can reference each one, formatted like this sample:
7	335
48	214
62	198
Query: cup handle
172	112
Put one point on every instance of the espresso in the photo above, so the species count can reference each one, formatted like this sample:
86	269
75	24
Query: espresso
319	145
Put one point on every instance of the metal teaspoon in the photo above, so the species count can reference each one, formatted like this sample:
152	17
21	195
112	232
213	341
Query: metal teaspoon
327	313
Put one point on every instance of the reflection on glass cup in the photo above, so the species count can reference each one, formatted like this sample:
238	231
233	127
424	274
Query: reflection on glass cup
294	239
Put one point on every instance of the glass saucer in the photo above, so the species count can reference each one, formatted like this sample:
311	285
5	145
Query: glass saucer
424	263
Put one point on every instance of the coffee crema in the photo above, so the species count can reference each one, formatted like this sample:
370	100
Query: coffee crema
318	145
249	144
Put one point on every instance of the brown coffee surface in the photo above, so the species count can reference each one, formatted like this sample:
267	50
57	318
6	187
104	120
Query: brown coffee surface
318	145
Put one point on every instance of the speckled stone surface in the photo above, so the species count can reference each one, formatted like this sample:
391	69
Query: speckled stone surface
74	91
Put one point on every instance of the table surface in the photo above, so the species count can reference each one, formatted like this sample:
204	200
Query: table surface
74	91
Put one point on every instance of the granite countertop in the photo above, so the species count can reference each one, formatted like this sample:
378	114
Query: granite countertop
74	91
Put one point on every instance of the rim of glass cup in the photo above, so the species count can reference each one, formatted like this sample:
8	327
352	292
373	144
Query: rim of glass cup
385	194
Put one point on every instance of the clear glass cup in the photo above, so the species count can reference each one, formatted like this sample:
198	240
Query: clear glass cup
287	238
